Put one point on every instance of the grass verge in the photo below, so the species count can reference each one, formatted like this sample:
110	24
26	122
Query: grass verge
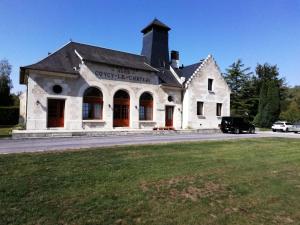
253	181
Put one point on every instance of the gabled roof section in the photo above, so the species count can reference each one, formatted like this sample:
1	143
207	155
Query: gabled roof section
63	60
202	64
112	57
188	71
167	78
66	59
155	23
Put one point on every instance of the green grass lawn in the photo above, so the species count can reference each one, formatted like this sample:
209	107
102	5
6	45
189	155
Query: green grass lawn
253	181
5	132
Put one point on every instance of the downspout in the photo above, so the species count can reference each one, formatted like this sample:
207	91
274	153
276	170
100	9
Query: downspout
182	90
26	104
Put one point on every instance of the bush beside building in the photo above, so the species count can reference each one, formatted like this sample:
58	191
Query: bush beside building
9	115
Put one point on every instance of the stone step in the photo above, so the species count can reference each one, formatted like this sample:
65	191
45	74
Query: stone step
20	134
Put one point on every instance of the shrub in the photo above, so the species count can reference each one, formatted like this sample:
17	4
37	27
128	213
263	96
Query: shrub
9	115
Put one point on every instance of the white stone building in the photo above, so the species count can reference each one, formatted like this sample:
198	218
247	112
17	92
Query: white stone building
84	87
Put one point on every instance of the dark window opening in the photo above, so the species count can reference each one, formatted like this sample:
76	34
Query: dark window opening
170	98
210	84
219	109
57	89
200	108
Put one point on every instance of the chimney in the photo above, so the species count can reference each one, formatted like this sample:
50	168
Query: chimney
156	44
175	59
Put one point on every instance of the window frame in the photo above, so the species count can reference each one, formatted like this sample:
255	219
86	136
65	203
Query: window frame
89	105
200	110
147	106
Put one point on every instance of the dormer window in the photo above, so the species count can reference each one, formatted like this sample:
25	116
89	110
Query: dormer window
210	84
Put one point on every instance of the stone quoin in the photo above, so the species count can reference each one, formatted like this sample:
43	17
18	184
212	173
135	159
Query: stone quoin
84	87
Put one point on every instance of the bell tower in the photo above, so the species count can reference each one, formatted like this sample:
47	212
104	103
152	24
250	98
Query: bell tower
156	44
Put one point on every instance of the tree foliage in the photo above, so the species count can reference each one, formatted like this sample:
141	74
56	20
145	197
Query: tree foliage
272	92
291	109
5	83
239	79
261	96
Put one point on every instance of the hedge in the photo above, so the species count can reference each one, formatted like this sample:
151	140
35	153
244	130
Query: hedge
9	115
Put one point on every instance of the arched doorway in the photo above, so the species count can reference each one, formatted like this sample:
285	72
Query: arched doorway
121	109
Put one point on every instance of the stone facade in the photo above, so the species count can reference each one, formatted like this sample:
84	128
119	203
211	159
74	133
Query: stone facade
197	91
184	99
119	89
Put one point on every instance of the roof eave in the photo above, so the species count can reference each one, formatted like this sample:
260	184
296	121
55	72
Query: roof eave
24	71
171	86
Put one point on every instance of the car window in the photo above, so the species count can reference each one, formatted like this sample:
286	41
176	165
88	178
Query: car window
288	124
278	123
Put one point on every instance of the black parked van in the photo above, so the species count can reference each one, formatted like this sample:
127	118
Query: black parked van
236	125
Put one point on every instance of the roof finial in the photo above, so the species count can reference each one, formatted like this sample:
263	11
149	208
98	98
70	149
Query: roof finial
71	40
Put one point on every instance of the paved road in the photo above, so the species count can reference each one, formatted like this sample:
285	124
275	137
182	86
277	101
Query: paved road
57	144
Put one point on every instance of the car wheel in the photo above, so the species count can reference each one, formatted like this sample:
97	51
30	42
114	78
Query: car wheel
274	130
296	132
250	131
287	130
236	130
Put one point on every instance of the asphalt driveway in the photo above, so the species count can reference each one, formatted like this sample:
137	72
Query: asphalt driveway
58	144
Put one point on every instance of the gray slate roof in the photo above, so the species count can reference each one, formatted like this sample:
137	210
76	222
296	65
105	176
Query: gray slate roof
188	71
65	59
155	23
113	57
167	78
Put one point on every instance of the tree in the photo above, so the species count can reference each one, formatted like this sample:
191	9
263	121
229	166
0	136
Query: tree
5	83
261	105
272	93
291	109
238	79
272	109
267	72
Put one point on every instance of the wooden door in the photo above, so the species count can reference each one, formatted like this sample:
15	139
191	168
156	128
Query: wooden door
169	116
121	112
56	111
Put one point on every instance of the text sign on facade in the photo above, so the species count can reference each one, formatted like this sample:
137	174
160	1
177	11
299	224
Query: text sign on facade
122	74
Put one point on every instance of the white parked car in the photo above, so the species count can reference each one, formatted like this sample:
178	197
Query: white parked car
282	126
296	128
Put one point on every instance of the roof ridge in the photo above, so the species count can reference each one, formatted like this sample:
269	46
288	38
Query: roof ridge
193	64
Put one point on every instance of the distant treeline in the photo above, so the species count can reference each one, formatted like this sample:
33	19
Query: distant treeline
263	96
9	103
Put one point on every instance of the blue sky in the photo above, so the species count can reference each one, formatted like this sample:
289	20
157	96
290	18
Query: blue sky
256	31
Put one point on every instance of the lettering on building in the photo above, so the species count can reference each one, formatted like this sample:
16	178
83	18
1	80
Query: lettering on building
123	74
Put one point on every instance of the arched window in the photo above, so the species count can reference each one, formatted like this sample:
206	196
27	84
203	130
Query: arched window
146	106
92	104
